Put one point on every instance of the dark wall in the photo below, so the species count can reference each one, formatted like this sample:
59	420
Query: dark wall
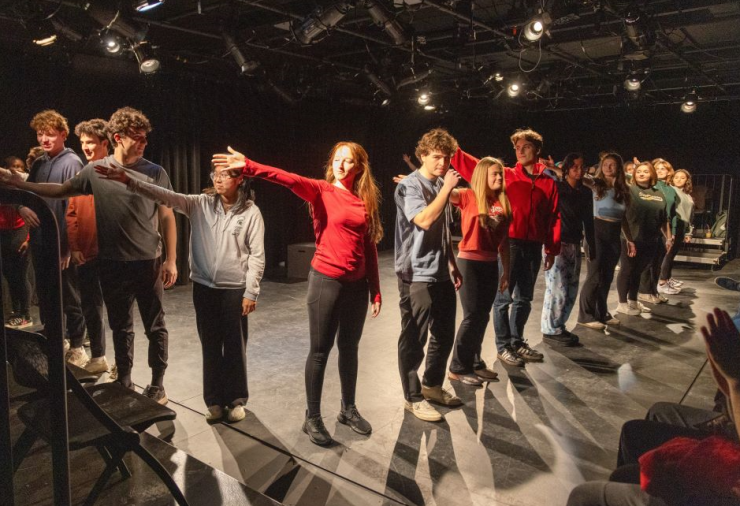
194	117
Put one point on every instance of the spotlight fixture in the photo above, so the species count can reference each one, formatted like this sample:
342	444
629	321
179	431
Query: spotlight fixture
632	83
430	107
46	41
65	30
640	39
114	21
424	98
148	64
246	67
689	104
383	18
147	5
373	78
386	102
321	20
513	90
536	27
111	44
498	77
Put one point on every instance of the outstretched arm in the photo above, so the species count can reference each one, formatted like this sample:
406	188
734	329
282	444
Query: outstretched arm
48	190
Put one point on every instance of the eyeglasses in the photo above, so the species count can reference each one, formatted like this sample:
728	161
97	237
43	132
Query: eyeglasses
223	175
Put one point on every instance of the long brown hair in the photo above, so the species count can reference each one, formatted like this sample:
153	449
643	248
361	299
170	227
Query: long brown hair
621	189
689	186
479	185
665	163
364	185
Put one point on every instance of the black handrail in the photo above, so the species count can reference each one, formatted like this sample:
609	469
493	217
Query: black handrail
57	369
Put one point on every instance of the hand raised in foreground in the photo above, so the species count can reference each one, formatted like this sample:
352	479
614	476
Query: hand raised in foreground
233	160
723	348
113	173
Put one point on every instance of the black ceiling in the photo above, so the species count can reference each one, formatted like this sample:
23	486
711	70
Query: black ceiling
678	46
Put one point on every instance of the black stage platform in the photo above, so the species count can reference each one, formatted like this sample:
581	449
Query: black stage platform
527	439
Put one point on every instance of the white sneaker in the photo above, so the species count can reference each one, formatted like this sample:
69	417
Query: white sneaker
647	297
97	365
77	356
593	325
440	396
675	283
639	306
236	414
626	308
423	411
668	289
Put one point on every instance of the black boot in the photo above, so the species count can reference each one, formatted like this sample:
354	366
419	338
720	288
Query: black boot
350	416
317	433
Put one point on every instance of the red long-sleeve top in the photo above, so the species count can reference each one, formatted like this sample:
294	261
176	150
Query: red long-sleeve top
9	218
344	249
534	202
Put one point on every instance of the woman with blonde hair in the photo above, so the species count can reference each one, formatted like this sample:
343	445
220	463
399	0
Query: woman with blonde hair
681	182
345	211
485	215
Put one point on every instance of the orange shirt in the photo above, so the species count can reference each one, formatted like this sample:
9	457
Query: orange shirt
81	229
479	243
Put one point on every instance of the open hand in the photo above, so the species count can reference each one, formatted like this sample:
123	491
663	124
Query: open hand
233	160
113	173
10	177
169	273
723	347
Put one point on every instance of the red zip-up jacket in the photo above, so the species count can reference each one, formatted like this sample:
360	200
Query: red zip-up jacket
534	204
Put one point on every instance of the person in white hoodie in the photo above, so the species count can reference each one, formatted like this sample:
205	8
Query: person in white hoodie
227	260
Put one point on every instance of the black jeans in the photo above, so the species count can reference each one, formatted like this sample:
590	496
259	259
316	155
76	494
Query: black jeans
15	269
480	284
525	258
666	268
649	277
336	310
91	299
425	307
595	291
122	283
223	337
74	321
628	280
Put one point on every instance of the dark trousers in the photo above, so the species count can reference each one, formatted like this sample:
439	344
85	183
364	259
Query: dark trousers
122	283
649	277
425	307
336	311
74	321
666	268
628	280
480	284
223	337
91	300
525	258
595	291
15	269
607	493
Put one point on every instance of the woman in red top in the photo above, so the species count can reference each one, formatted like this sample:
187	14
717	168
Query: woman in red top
485	215
346	221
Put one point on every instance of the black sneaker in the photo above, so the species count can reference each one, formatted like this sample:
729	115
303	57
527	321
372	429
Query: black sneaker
350	416
727	283
510	357
528	354
564	339
156	394
317	433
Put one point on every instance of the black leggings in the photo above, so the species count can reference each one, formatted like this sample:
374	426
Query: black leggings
15	269
667	268
476	295
649	277
336	309
600	272
628	281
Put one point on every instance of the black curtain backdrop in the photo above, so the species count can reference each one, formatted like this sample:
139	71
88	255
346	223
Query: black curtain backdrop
194	116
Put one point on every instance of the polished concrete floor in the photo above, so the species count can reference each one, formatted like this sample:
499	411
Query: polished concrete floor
527	439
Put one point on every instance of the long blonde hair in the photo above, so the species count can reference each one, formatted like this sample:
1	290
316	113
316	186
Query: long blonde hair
364	185
479	185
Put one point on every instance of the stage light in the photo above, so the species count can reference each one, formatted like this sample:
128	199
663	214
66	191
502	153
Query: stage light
386	102
373	78
112	45
147	5
498	77
689	104
46	41
513	90
424	98
429	107
246	67
319	21
148	64
632	83
536	27
381	16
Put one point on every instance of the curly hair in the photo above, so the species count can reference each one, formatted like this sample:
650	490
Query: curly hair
658	162
50	120
95	127
529	135
126	119
437	139
365	186
689	186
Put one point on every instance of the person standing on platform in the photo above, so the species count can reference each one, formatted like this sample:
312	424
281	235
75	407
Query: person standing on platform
344	270
227	260
427	275
575	205
58	164
82	233
535	222
611	197
485	215
648	223
130	247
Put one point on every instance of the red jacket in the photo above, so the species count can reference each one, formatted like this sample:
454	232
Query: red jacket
9	218
534	204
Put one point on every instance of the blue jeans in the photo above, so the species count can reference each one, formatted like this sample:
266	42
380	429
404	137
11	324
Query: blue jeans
525	258
736	318
561	289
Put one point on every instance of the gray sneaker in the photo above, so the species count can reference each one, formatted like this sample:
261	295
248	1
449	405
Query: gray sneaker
727	283
510	357
528	354
156	394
